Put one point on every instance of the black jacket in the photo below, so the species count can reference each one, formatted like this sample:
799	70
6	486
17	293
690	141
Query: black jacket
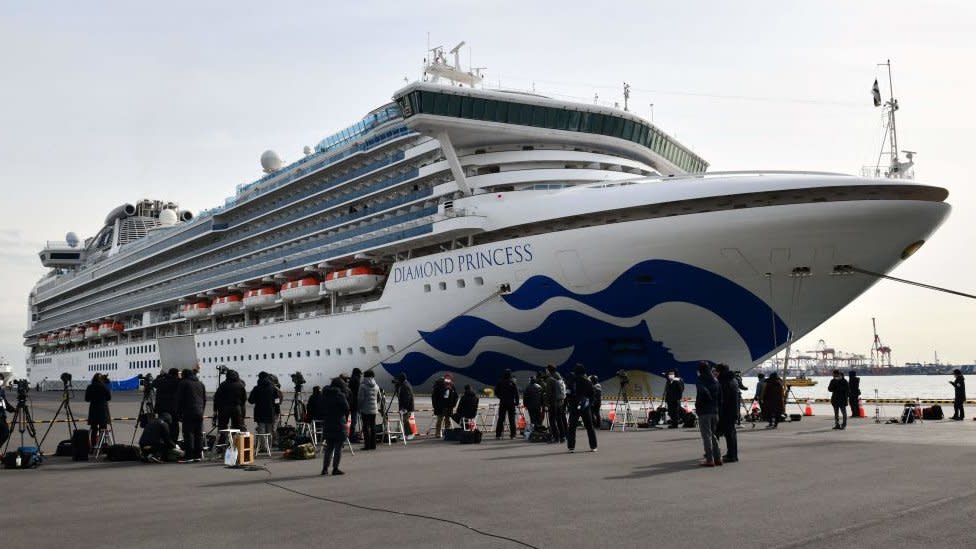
533	396
230	397
165	386
728	411
708	399
854	384
583	391
507	393
191	398
354	382
334	409
468	406
443	398
156	435
839	391
405	397
97	395
314	405
674	389
263	397
960	384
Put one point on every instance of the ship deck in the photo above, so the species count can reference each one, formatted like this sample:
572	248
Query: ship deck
802	485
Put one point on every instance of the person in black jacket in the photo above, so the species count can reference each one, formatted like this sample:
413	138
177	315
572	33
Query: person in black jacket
580	405
312	404
5	407
708	402
839	397
97	395
467	408
508	400
674	389
959	384
165	386
263	397
405	404
334	410
156	442
533	401
191	401
597	401
443	397
354	382
229	401
728	413
854	387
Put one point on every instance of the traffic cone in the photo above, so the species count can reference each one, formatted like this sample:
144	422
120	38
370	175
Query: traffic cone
808	411
612	415
860	408
521	423
412	422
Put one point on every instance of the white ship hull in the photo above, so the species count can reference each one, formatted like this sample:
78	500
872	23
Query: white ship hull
644	296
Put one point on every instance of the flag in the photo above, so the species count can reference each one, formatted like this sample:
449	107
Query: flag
876	92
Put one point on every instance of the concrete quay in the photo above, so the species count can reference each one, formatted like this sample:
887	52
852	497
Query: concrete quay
802	485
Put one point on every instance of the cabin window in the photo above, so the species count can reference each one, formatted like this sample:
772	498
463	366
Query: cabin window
442	285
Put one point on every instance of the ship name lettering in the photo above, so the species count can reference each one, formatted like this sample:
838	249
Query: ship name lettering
464	262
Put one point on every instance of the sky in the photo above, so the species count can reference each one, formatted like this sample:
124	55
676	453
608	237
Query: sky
106	103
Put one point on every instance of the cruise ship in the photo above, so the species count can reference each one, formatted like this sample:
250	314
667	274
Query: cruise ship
468	231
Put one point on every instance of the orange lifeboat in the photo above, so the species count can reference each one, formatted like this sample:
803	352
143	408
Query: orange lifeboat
303	289
49	340
257	298
110	329
196	309
91	331
64	337
77	335
230	303
354	281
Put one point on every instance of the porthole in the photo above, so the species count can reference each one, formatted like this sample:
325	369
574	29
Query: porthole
460	283
442	285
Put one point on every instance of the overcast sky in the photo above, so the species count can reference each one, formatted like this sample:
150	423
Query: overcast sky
105	103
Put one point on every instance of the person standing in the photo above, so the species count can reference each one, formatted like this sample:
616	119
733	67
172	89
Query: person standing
263	397
773	405
354	383
840	396
191	401
5	407
165	386
97	395
508	400
369	406
532	398
959	384
708	401
405	404
579	405
854	388
229	400
728	413
333	408
443	398
556	395
674	389
760	385
597	401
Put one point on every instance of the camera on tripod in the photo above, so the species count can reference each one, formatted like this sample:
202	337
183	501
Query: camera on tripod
23	387
623	377
222	370
298	379
145	380
66	378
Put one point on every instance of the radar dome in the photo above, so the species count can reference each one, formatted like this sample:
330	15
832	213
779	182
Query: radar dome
71	239
168	217
308	150
270	161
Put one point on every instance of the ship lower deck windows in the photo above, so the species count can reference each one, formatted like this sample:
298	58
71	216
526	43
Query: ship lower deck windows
460	283
427	288
442	285
479	281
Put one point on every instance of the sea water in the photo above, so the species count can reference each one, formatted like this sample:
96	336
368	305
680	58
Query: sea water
897	387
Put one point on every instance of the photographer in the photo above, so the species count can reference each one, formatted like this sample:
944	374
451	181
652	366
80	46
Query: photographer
5	407
533	400
229	400
263	397
191	400
156	442
404	394
579	403
97	396
674	389
165	386
508	400
467	407
556	396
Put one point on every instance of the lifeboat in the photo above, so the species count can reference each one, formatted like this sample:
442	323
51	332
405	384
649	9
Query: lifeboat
196	309
64	337
354	281
91	332
77	335
110	329
48	340
232	303
257	298
303	289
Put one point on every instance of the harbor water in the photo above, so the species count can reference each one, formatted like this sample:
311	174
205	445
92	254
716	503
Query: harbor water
889	387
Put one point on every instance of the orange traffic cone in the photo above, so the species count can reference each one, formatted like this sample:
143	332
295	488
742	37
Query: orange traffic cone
412	422
612	415
808	411
521	423
860	408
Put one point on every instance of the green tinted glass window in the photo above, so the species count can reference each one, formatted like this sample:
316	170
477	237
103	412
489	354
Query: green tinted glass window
478	109
562	120
440	104
427	102
454	106
539	117
491	110
628	131
574	121
552	116
514	113
466	105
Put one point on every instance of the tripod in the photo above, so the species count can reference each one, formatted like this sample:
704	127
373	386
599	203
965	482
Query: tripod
297	409
23	421
146	408
68	414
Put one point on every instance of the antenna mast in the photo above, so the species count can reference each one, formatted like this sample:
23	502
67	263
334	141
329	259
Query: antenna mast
896	168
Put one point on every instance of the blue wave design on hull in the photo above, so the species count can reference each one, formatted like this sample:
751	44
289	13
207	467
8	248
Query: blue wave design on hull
603	347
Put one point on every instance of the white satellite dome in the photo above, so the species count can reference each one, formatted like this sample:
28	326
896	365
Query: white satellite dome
307	150
168	217
270	161
72	239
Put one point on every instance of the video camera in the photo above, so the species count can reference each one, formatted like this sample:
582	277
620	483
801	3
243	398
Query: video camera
623	377
222	370
145	380
298	379
66	378
23	388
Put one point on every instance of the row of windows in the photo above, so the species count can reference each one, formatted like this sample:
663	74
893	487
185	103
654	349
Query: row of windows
218	342
139	364
460	283
338	351
139	349
112	366
508	112
104	353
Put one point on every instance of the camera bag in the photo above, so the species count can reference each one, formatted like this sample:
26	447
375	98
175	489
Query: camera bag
80	445
64	449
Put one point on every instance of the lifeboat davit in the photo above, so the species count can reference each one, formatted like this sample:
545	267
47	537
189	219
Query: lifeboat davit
304	289
257	298
231	303
354	281
110	329
64	337
77	335
91	332
196	309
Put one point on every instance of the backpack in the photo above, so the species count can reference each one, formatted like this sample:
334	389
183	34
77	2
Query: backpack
689	419
470	437
25	457
540	435
560	389
302	451
64	449
80	445
124	452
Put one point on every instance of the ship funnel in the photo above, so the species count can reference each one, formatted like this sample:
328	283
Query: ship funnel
186	215
122	212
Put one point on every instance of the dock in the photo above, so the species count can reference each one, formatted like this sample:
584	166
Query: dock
801	485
